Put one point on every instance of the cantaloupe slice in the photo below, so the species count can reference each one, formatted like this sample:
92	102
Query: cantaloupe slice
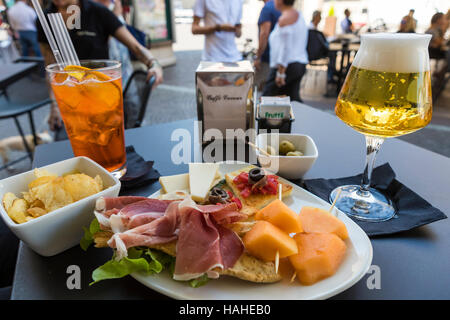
264	240
321	221
319	256
280	215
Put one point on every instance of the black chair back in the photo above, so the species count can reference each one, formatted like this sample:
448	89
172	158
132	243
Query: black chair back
135	98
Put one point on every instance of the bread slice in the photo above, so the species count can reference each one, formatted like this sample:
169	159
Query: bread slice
247	268
254	202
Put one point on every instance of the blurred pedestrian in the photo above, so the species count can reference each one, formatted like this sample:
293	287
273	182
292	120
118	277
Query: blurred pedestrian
347	24
318	47
22	19
437	51
437	29
413	20
316	18
266	22
98	23
407	25
288	55
117	50
222	24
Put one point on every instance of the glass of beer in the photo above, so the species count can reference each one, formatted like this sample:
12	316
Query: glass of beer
387	93
89	98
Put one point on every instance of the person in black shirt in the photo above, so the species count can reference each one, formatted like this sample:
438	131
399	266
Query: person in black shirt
98	23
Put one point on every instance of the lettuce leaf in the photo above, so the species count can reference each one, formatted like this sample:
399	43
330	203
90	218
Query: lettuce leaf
139	259
88	237
198	282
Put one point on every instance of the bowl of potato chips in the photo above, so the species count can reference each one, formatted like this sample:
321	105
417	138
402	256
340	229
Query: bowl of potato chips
48	207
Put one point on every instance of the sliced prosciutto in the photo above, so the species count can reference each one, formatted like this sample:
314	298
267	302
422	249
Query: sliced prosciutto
104	204
203	243
160	230
131	212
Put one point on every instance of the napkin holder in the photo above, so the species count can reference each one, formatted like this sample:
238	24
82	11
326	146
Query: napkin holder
225	100
224	93
274	113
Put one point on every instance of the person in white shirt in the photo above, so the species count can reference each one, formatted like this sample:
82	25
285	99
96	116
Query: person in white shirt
222	24
288	53
22	19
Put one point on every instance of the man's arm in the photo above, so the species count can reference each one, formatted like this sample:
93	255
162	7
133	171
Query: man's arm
198	29
143	54
264	32
238	30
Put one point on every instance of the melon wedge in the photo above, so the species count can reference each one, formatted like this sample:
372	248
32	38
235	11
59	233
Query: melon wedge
264	240
319	256
280	215
321	221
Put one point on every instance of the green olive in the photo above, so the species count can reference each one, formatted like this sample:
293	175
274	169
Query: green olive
294	154
286	146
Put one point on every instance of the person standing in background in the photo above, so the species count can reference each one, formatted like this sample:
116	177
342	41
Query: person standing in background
437	29
346	24
266	22
117	50
413	20
98	24
407	25
316	18
23	20
222	24
288	55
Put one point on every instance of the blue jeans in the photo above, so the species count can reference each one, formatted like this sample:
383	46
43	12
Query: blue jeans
28	40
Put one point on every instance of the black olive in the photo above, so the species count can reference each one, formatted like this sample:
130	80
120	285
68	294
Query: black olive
218	195
255	175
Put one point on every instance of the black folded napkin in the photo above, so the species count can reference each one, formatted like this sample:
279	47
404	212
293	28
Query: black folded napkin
413	211
139	172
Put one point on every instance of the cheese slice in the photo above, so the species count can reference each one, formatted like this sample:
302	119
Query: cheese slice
174	183
201	179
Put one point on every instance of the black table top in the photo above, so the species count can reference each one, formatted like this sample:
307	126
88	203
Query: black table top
11	72
412	265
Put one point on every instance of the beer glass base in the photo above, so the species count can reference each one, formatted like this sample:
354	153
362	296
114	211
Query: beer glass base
370	205
119	173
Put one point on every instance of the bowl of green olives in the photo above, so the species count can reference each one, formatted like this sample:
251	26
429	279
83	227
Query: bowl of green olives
288	155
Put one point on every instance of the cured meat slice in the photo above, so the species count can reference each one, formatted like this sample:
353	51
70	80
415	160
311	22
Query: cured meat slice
161	230
104	204
203	244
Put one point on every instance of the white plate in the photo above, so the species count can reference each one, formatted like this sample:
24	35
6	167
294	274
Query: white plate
356	263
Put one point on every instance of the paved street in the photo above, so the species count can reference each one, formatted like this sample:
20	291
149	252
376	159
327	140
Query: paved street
175	100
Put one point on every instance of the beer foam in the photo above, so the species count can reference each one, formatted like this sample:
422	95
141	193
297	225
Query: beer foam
393	52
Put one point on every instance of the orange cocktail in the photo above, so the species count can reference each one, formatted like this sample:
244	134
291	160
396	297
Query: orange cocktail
89	98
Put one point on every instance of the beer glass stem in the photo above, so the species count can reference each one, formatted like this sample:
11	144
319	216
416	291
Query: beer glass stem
373	144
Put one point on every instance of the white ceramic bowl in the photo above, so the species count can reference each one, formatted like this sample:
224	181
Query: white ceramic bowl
61	229
291	167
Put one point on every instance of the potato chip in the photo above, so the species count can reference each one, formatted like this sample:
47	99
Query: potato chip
41	181
49	192
80	186
43	173
53	195
18	211
99	181
36	212
8	200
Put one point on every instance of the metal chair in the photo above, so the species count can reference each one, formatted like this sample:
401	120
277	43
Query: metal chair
135	98
9	109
